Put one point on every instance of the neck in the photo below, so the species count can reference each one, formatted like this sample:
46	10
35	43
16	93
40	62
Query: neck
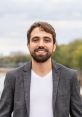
42	68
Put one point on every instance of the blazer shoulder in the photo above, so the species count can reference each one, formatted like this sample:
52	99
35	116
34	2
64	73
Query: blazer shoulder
66	71
58	66
12	74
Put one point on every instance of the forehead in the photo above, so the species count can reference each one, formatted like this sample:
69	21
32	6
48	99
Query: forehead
39	32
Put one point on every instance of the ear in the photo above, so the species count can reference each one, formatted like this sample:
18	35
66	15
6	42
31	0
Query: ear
54	47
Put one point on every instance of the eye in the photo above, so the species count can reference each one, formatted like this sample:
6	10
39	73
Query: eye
35	39
47	39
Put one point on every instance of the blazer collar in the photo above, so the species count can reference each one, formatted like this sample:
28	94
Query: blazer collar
28	66
27	80
55	66
56	76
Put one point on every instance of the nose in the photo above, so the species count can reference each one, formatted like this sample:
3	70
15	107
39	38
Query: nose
41	43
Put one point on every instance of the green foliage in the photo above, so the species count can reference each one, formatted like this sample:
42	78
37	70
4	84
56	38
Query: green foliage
70	54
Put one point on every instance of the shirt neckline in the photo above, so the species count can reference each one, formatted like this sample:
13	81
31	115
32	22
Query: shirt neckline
41	77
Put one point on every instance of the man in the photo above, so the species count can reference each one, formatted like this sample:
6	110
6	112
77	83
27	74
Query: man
42	87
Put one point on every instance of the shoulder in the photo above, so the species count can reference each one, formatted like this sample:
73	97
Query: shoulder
68	75
17	72
65	71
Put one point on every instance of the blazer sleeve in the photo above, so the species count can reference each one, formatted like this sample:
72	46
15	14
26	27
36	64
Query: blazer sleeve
76	101
7	97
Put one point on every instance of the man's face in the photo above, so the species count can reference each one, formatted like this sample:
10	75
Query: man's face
41	45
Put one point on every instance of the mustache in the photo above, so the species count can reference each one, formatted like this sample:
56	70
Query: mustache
40	48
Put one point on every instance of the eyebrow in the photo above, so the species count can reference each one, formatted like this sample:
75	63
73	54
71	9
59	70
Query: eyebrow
47	37
39	37
35	37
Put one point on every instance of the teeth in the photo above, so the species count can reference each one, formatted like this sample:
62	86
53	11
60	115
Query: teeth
40	50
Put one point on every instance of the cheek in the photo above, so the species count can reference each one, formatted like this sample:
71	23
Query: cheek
51	48
31	46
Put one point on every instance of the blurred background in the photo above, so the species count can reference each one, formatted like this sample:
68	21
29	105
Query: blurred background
16	16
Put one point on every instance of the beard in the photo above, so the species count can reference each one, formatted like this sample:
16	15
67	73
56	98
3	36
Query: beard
40	58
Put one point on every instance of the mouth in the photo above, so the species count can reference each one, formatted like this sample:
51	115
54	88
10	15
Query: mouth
41	51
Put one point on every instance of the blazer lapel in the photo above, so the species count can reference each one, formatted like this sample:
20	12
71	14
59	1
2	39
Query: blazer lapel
27	80
56	76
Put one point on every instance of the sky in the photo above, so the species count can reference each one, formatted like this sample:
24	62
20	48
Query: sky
16	16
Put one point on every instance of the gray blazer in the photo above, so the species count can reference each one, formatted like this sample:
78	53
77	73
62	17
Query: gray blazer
16	93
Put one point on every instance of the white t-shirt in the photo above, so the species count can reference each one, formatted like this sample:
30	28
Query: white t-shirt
41	95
